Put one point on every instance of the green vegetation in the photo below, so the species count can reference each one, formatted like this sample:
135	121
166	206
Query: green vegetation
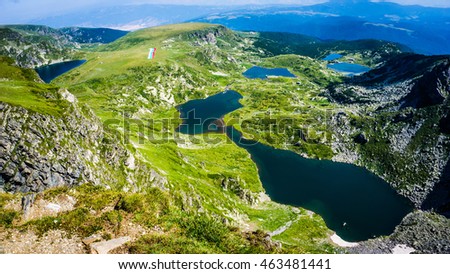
18	87
169	228
135	98
32	46
400	166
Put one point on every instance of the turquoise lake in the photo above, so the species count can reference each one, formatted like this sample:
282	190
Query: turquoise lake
332	57
348	68
262	73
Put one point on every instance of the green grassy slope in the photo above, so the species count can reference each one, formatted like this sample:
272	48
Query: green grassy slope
21	87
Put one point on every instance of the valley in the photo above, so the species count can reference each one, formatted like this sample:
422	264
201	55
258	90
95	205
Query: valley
108	129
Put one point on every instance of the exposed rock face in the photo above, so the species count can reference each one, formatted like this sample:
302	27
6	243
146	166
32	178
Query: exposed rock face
39	151
234	185
31	50
32	46
208	36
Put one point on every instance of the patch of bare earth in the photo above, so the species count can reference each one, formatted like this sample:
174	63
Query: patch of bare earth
53	242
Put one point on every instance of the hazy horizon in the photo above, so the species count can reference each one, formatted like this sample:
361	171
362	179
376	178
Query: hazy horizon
26	11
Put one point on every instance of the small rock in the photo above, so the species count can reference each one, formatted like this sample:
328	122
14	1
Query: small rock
53	207
402	249
27	202
106	246
130	162
68	96
93	238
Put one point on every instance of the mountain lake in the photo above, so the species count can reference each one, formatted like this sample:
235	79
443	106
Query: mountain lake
263	73
354	202
50	72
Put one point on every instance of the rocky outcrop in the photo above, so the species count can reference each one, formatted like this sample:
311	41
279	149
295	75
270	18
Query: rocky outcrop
207	35
234	185
40	46
33	46
40	151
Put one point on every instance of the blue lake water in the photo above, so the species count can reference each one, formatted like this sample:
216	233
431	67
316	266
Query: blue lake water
200	115
348	68
50	72
262	73
332	56
353	202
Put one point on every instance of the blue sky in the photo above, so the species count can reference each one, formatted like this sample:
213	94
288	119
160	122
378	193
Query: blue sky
21	11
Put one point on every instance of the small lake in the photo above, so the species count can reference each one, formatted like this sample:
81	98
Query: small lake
332	57
353	202
348	68
200	116
263	73
50	72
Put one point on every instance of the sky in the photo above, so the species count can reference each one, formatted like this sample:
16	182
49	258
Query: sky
21	11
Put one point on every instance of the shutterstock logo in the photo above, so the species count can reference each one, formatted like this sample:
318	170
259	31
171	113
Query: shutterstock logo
194	129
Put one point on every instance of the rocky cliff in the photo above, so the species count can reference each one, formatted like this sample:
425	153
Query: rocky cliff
40	151
33	46
33	49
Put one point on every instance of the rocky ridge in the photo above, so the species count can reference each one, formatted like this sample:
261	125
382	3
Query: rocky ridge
33	46
40	151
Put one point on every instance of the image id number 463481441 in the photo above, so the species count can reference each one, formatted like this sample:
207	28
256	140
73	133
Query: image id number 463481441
295	264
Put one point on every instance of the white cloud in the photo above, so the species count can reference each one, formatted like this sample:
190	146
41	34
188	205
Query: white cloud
389	26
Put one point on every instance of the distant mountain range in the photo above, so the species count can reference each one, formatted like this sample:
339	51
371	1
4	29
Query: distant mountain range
33	45
425	30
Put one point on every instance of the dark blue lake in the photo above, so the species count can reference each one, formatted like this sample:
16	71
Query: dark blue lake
262	73
354	203
332	57
348	68
50	72
202	115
